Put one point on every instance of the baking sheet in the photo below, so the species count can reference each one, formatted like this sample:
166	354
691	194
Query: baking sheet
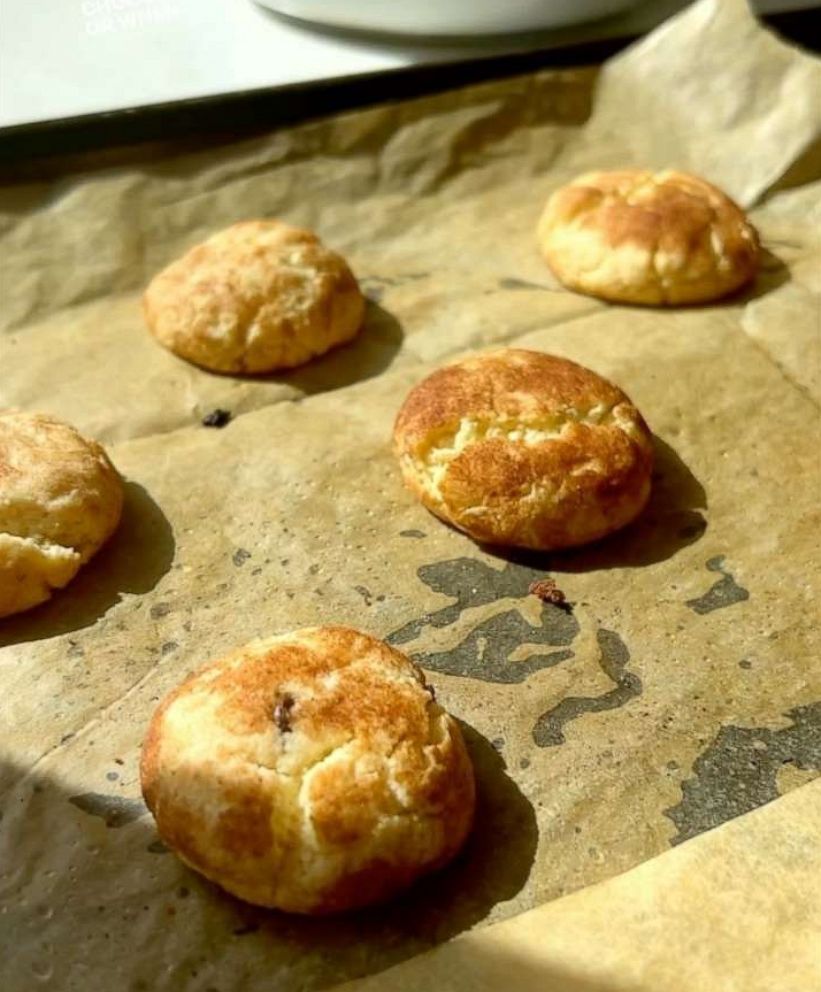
683	689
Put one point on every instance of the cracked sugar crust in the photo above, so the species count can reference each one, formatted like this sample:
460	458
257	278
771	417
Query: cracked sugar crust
521	448
60	500
256	297
365	786
634	236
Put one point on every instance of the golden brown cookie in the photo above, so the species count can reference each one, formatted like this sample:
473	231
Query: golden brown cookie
60	499
256	297
643	237
521	448
312	772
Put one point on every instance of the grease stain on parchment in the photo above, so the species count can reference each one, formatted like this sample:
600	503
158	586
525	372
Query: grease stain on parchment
723	593
486	652
739	771
613	660
471	583
507	647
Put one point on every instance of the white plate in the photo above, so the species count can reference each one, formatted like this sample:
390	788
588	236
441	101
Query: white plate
449	17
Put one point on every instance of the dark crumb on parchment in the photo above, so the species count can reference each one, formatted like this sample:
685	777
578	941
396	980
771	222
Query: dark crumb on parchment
282	712
217	418
548	592
365	593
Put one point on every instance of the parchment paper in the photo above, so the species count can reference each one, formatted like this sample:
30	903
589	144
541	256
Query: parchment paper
682	691
671	924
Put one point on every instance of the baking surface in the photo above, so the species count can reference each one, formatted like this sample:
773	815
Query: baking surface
681	909
682	690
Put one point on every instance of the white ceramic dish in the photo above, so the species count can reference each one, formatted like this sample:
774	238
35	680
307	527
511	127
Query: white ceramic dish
448	17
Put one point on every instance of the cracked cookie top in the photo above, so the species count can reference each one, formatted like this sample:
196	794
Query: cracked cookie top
520	448
256	297
312	772
634	236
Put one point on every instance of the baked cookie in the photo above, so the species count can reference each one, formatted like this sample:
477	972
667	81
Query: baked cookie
60	499
256	297
312	772
521	448
643	237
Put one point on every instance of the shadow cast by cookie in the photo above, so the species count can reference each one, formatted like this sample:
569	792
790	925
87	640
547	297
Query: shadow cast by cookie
95	880
133	561
772	274
672	520
92	884
370	353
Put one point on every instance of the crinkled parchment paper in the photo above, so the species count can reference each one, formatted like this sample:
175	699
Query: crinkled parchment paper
682	691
